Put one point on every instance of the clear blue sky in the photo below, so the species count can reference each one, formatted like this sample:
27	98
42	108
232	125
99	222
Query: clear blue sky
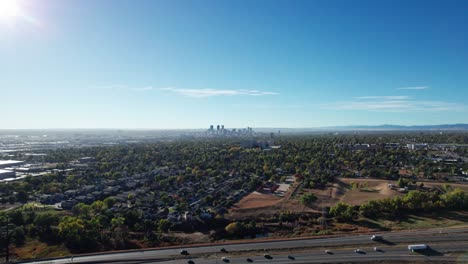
189	64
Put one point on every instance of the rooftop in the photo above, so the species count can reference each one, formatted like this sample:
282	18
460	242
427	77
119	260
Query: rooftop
10	162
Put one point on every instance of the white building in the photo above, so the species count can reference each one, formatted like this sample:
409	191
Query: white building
9	163
419	146
4	174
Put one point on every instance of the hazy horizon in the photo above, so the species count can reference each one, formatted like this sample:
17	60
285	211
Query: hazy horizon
254	127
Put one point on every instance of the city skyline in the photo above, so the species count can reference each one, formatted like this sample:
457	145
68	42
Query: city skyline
183	64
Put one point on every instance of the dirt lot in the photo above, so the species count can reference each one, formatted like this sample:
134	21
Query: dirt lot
353	191
368	190
264	204
372	189
344	191
257	200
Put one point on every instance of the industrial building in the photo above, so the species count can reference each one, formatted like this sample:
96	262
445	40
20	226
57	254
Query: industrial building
9	163
4	174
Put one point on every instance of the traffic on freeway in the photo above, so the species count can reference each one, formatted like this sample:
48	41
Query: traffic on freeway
447	245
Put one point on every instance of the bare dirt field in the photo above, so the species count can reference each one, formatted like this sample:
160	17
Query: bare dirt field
353	191
257	200
264	204
368	190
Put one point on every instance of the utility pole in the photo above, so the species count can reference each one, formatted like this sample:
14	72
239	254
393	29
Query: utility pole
7	240
7	257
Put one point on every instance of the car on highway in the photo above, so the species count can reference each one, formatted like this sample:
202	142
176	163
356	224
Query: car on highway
267	256
225	259
190	262
376	238
291	257
376	249
328	252
249	260
184	252
360	251
223	250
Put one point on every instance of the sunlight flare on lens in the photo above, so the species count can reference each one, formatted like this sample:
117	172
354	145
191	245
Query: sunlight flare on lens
9	9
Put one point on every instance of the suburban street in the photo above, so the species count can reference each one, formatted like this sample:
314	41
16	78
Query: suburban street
443	242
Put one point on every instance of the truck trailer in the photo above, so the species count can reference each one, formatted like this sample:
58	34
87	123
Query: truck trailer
417	247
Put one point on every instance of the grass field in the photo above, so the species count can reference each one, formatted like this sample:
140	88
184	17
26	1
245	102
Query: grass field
37	249
440	219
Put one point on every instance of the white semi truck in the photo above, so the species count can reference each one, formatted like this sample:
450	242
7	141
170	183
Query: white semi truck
417	247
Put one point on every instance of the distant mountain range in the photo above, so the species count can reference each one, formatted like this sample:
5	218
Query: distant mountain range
386	127
399	127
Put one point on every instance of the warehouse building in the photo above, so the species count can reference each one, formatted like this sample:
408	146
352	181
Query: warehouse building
5	174
9	163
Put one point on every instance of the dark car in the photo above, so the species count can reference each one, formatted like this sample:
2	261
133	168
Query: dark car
359	251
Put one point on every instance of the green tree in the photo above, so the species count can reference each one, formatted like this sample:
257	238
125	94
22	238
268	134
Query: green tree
18	236
456	199
22	196
342	211
44	222
77	233
416	200
164	225
308	199
117	221
234	228
402	182
17	218
71	229
108	202
370	208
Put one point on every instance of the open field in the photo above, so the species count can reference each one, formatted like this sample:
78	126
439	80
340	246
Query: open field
37	249
441	219
259	204
356	191
374	182
366	190
353	191
257	200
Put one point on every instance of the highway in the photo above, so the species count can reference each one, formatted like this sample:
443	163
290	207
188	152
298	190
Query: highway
311	250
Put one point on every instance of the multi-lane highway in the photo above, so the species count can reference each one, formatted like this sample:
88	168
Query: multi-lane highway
447	245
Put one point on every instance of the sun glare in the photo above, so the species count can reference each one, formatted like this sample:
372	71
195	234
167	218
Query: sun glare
9	9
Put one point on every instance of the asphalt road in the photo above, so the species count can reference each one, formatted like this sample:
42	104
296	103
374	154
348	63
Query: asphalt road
399	253
394	247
